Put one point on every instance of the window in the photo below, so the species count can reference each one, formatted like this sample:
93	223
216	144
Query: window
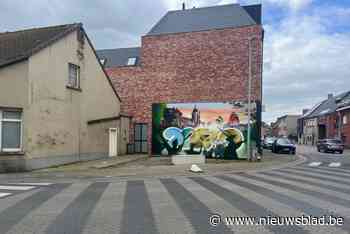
345	119
10	131
74	76
131	61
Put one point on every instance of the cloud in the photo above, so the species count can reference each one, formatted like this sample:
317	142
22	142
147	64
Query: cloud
292	4
109	23
305	59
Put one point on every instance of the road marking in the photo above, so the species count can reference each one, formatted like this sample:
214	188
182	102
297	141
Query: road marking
21	188
335	164
4	195
315	164
33	184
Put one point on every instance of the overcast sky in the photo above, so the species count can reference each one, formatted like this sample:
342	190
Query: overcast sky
306	49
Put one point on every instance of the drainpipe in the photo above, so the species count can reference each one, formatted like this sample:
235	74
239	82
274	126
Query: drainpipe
340	125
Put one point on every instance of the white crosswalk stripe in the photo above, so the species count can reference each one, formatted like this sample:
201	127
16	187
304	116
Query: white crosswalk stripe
180	204
4	194
9	189
315	164
35	184
334	164
16	188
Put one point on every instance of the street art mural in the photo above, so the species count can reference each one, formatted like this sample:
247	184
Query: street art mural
217	130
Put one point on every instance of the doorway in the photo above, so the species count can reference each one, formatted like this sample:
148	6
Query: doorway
113	142
140	133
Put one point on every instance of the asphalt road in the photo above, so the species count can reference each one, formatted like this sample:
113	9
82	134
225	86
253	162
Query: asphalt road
184	204
343	160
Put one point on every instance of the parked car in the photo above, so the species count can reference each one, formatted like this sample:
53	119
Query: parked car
330	145
268	141
283	145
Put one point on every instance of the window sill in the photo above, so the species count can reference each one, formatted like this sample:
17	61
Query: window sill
73	88
4	153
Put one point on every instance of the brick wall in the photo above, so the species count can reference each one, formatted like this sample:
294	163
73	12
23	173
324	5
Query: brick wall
207	66
346	128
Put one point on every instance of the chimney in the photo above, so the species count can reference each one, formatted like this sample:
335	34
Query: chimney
305	111
330	95
183	6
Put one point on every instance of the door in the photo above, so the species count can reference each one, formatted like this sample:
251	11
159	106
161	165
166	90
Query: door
140	131
322	131
113	142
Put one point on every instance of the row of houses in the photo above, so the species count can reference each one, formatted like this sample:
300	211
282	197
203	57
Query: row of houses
327	119
62	101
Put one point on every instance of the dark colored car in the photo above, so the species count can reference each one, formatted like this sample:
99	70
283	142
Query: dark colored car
268	142
283	145
330	145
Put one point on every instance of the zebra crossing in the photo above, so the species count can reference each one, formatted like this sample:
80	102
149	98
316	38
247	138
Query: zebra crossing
12	189
325	164
180	204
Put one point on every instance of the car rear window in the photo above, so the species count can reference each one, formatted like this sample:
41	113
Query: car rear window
283	141
334	141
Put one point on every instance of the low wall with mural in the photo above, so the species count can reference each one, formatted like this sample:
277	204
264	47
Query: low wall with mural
217	130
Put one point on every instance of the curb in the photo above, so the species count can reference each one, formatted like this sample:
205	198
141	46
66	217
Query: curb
299	161
120	163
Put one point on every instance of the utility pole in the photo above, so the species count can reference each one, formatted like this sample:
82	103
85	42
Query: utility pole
249	149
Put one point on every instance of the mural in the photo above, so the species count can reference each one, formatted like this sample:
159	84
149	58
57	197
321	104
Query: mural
217	130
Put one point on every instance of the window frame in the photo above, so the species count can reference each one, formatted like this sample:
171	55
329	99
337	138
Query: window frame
77	86
21	131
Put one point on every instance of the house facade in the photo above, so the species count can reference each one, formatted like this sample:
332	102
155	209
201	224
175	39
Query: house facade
343	113
57	104
190	56
327	119
286	126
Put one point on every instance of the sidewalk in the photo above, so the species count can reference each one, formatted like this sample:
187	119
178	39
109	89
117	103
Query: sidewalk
96	164
142	166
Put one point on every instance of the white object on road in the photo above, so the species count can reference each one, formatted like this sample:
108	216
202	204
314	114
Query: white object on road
22	188
335	164
195	168
4	194
315	164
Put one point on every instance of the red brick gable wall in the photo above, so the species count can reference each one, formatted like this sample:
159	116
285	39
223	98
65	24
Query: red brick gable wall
208	66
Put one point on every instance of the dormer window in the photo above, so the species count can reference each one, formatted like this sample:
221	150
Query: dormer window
131	61
103	61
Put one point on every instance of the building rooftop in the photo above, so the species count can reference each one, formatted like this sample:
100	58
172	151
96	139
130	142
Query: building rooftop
119	57
190	20
325	107
207	18
19	45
